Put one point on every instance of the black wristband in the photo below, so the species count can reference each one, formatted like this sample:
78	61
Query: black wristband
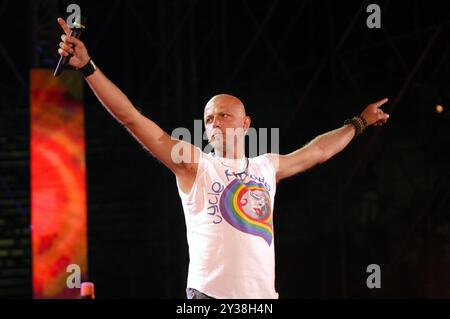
88	69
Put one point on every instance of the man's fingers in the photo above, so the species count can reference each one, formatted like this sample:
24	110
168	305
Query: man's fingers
65	47
381	102
71	40
64	25
62	52
382	119
66	39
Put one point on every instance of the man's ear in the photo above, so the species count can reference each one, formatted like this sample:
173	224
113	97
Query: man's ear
247	122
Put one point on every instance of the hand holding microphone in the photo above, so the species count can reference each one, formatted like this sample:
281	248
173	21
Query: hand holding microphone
72	50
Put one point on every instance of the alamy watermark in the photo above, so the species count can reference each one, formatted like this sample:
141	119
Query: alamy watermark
374	19
75	17
374	279
235	138
74	279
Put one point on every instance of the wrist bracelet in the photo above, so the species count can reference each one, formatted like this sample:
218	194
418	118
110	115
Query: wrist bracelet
355	125
88	69
358	122
363	120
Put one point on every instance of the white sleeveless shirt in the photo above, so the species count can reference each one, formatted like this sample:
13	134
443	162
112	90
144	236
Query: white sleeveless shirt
230	229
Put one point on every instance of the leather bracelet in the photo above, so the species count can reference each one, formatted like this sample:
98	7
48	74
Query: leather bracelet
88	69
363	120
360	123
357	123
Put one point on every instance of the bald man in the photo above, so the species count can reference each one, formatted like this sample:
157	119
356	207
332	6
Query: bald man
227	198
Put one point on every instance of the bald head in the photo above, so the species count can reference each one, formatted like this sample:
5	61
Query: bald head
228	102
222	113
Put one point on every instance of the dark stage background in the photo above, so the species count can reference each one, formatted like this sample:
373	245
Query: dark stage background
301	66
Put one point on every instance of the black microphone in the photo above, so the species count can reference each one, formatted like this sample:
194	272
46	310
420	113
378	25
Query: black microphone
75	32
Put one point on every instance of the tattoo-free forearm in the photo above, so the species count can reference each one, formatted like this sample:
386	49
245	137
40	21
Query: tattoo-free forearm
334	141
148	133
112	98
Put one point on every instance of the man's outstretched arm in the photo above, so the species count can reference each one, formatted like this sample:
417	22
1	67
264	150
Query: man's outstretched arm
149	134
325	146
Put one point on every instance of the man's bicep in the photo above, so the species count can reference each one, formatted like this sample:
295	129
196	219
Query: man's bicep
275	161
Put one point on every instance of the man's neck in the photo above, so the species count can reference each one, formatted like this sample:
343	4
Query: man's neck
237	154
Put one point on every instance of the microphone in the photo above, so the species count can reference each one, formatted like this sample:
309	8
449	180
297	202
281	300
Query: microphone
75	32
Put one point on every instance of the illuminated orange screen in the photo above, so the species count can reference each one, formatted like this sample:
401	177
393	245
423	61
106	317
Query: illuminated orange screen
58	182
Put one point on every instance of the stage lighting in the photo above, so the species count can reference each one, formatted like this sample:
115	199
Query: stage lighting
439	108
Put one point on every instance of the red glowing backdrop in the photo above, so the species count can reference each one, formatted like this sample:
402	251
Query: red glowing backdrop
58	182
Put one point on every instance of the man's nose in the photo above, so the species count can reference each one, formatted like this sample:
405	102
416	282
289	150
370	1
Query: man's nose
216	121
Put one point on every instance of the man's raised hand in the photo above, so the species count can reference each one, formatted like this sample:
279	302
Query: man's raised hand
72	46
374	115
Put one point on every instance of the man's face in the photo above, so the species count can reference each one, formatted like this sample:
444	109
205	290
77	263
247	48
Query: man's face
224	117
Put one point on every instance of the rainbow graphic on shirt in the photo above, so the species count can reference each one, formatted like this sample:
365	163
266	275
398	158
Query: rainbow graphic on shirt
247	207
